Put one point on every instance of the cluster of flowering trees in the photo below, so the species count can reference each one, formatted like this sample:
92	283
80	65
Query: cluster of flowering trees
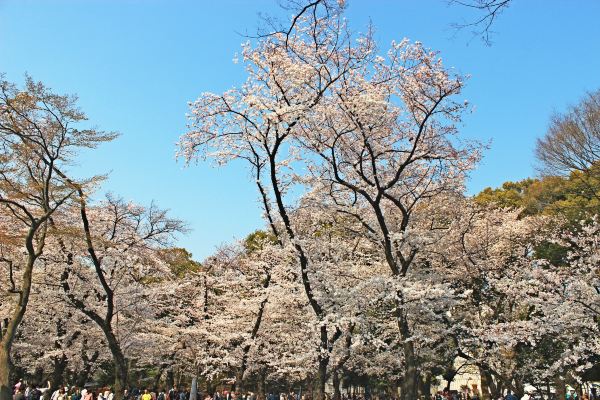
75	273
373	264
361	176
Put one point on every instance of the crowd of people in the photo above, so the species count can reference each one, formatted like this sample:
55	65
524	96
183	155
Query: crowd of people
25	391
456	395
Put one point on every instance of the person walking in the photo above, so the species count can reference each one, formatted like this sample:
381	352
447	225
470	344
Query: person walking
19	395
17	386
36	393
54	395
510	396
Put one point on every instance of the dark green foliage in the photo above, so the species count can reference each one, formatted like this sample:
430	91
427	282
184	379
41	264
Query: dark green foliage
257	239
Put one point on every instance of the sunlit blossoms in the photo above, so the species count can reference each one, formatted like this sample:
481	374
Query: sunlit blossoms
375	273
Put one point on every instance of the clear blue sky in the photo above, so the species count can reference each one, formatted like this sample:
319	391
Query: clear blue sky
136	64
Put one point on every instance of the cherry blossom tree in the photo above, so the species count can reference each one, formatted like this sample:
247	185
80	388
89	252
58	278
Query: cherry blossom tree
40	132
566	297
107	260
54	343
507	326
256	124
380	128
384	137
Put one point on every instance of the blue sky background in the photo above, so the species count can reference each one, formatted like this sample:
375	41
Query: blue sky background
135	64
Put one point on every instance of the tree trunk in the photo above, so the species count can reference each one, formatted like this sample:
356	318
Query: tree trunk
60	364
170	379
310	386
323	362
5	384
120	363
194	389
254	333
560	388
490	390
260	386
449	379
81	377
426	386
9	327
159	375
337	382
486	390
411	374
239	376
238	386
120	380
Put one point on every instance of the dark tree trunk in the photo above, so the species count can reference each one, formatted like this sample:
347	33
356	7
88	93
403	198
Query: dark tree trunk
449	377
59	362
58	372
322	381
120	363
105	323
324	357
310	388
411	373
254	333
238	386
170	379
426	386
38	376
337	394
88	362
260	386
159	375
304	264
560	388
